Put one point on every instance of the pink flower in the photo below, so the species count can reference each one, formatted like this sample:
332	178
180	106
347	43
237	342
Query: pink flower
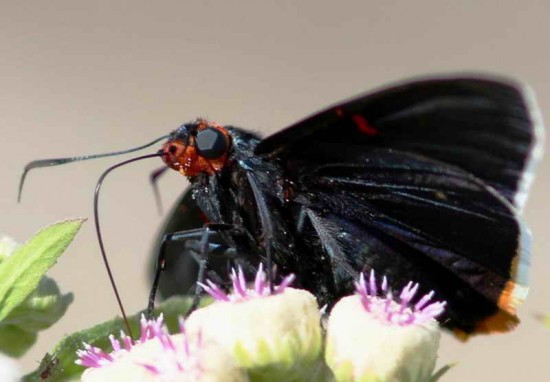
273	333
260	288
383	338
405	312
158	356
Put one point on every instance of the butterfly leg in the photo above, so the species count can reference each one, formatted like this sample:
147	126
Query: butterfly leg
204	247
214	251
267	226
210	231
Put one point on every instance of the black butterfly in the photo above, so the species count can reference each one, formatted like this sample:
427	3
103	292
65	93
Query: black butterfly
421	181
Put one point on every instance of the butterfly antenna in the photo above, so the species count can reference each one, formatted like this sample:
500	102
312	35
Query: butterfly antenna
153	179
100	238
59	161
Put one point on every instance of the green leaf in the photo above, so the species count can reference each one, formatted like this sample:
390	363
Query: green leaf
48	366
64	352
20	273
45	306
29	301
15	341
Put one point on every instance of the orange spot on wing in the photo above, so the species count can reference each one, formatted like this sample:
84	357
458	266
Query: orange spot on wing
511	297
514	293
505	319
363	125
500	322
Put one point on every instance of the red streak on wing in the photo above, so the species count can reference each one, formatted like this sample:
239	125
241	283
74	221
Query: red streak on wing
363	125
203	217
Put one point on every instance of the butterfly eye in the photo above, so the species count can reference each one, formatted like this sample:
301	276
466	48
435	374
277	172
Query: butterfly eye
211	143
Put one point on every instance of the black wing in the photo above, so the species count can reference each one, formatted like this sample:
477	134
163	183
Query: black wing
486	126
422	181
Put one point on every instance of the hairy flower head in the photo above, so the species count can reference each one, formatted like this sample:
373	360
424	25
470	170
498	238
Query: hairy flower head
160	357
375	336
273	332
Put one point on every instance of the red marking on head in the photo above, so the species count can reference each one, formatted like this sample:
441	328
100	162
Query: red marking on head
363	125
184	157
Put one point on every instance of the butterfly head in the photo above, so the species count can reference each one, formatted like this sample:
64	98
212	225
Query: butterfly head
196	148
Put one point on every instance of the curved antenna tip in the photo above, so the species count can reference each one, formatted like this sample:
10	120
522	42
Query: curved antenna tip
21	183
60	161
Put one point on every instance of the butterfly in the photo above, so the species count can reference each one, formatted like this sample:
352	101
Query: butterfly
424	180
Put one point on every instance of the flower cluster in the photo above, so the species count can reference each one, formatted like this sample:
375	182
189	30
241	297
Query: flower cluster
260	332
159	356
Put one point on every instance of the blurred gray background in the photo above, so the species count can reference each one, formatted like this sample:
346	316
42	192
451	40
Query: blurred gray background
88	77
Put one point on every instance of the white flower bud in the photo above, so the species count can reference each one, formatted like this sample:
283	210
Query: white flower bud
275	336
376	339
